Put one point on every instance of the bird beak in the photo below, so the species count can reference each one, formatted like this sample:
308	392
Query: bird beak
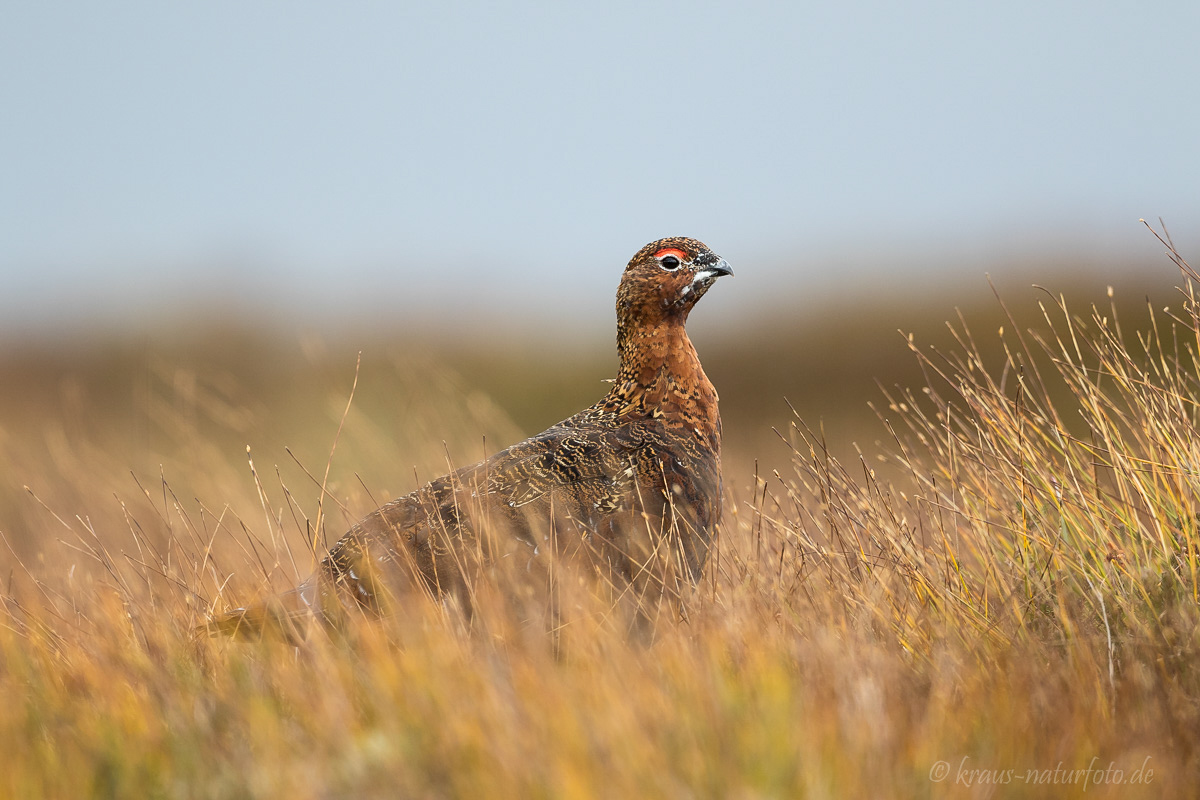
712	273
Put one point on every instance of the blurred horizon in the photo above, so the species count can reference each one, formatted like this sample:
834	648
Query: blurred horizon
301	166
221	297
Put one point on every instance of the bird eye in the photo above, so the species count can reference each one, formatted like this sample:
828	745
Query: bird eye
669	258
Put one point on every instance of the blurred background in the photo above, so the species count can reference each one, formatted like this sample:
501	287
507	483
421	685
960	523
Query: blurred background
207	212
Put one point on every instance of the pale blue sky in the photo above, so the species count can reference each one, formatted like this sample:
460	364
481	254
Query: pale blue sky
311	157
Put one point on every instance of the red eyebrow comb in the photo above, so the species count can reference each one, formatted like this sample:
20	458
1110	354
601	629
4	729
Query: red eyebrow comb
671	251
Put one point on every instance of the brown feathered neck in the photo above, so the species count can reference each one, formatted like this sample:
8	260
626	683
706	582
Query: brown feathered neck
660	375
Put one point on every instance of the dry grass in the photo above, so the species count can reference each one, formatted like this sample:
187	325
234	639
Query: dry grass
1018	603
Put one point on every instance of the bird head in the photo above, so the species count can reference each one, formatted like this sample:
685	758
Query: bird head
666	278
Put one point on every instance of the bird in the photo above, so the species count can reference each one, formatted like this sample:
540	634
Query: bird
633	478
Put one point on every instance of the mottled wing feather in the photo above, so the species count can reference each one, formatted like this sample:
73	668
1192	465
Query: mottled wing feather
569	473
597	462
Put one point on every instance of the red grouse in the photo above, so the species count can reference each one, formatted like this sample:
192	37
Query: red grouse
635	475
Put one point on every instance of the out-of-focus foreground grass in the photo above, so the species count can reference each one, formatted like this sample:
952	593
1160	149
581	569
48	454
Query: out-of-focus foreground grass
1002	589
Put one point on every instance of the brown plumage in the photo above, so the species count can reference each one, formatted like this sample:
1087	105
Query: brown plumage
638	470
